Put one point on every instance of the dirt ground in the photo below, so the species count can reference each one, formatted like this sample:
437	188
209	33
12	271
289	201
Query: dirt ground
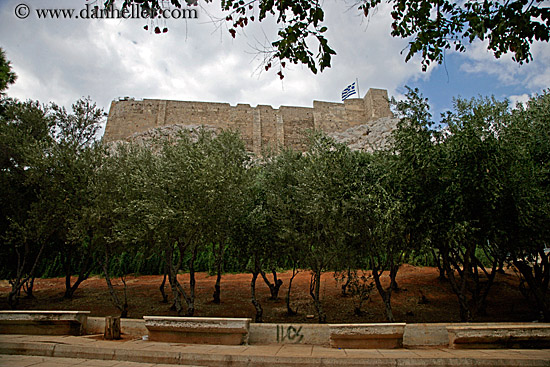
505	301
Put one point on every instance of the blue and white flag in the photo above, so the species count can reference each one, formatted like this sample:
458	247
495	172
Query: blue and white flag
349	91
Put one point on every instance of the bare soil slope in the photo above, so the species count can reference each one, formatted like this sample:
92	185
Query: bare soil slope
505	301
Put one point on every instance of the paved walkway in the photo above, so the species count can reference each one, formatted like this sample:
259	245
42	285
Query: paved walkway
60	351
34	361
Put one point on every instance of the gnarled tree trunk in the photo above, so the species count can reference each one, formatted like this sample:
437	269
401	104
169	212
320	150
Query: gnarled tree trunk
273	287
314	291
28	288
192	282
257	305
121	305
218	251
23	277
537	277
384	293
161	287
84	270
289	310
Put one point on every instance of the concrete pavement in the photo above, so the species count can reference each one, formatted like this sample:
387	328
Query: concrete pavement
34	361
59	351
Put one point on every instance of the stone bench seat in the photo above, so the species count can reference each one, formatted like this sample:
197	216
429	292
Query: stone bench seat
198	330
499	336
367	336
43	322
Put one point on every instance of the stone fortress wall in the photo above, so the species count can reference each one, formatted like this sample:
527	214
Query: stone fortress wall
261	127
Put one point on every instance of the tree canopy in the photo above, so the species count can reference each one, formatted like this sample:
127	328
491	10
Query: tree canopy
468	197
7	76
430	26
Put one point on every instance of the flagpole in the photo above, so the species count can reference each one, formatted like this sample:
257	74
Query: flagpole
358	92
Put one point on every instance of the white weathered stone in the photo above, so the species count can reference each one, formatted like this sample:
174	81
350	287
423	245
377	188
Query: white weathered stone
499	336
198	330
367	336
43	322
367	137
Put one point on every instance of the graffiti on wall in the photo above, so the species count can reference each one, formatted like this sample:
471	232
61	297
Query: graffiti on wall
289	334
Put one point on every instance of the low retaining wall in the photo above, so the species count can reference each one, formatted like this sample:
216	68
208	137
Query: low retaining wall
436	334
313	334
198	330
414	335
43	322
532	336
367	336
319	334
133	328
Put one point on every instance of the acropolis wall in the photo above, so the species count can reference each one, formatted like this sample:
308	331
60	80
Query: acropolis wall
260	127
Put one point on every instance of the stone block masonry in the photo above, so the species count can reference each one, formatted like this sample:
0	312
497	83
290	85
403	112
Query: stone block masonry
262	127
198	330
43	322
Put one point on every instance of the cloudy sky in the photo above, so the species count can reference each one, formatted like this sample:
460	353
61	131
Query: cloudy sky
197	60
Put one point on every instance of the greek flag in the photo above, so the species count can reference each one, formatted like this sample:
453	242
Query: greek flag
349	91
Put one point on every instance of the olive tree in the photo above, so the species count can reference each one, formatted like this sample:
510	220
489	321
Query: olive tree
280	177
525	232
321	220
70	164
464	186
24	142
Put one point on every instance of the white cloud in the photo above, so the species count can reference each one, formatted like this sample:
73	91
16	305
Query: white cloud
519	99
533	75
62	61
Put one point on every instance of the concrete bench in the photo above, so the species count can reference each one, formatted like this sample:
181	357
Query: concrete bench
367	336
198	330
499	336
43	322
